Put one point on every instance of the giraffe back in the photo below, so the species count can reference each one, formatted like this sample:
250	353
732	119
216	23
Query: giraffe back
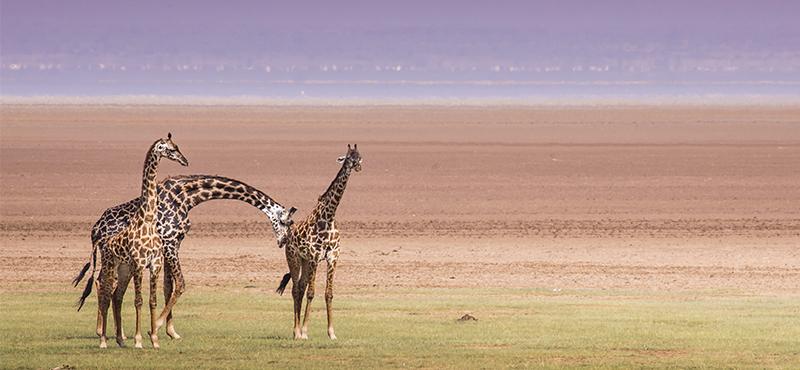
177	196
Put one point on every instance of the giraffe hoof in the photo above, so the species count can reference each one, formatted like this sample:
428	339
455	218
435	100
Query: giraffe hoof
172	333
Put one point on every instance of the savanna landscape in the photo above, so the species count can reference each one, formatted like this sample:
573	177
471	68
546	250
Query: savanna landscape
591	237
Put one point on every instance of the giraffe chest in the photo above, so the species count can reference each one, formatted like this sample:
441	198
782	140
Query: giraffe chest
319	242
139	245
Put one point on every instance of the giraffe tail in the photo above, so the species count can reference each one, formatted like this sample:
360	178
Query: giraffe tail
284	283
88	289
82	274
86	292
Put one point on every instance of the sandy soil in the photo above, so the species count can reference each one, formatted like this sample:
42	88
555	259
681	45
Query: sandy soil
651	199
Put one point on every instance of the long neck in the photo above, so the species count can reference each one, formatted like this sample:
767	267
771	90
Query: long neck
147	208
199	189
329	201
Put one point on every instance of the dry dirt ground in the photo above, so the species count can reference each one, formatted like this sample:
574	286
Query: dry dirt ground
632	199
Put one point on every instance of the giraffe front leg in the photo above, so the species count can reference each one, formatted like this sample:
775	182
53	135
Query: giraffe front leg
121	292
298	290
298	287
137	303
311	272
153	305
329	296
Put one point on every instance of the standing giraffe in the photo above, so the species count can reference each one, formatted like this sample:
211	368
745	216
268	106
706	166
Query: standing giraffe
136	247
177	196
313	239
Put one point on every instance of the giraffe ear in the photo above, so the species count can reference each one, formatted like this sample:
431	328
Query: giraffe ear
340	159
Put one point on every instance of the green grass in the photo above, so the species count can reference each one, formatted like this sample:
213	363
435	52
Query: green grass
418	329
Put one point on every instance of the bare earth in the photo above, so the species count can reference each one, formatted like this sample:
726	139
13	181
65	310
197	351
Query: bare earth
627	199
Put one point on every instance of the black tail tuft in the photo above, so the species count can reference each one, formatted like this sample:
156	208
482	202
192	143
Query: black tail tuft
86	292
284	283
81	275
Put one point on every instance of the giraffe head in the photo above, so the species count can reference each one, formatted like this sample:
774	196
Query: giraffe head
352	159
281	227
167	149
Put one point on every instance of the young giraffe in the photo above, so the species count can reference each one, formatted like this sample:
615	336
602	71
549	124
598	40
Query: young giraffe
135	248
313	239
177	196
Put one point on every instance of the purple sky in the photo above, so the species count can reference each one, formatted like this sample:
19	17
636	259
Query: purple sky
50	46
374	13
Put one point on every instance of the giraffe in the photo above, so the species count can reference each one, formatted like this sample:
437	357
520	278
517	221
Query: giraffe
177	196
313	239
136	247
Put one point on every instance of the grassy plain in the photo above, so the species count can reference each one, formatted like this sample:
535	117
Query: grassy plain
250	329
673	232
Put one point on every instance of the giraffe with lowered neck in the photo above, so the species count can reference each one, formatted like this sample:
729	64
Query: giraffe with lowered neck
136	247
177	196
314	239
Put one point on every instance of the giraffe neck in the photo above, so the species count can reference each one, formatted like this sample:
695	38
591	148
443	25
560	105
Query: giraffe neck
329	201
147	206
199	189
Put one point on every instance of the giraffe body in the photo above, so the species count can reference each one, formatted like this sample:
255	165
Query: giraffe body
137	247
315	239
177	196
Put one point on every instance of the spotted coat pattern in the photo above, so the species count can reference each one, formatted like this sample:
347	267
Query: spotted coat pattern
315	239
137	247
177	196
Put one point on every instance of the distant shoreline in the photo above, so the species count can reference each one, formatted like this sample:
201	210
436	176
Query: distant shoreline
533	102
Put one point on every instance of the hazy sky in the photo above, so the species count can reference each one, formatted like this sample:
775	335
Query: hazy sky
53	45
376	13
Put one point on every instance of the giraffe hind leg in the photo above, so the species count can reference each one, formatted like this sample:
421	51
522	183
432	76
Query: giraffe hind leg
105	290
123	279
179	286
172	273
